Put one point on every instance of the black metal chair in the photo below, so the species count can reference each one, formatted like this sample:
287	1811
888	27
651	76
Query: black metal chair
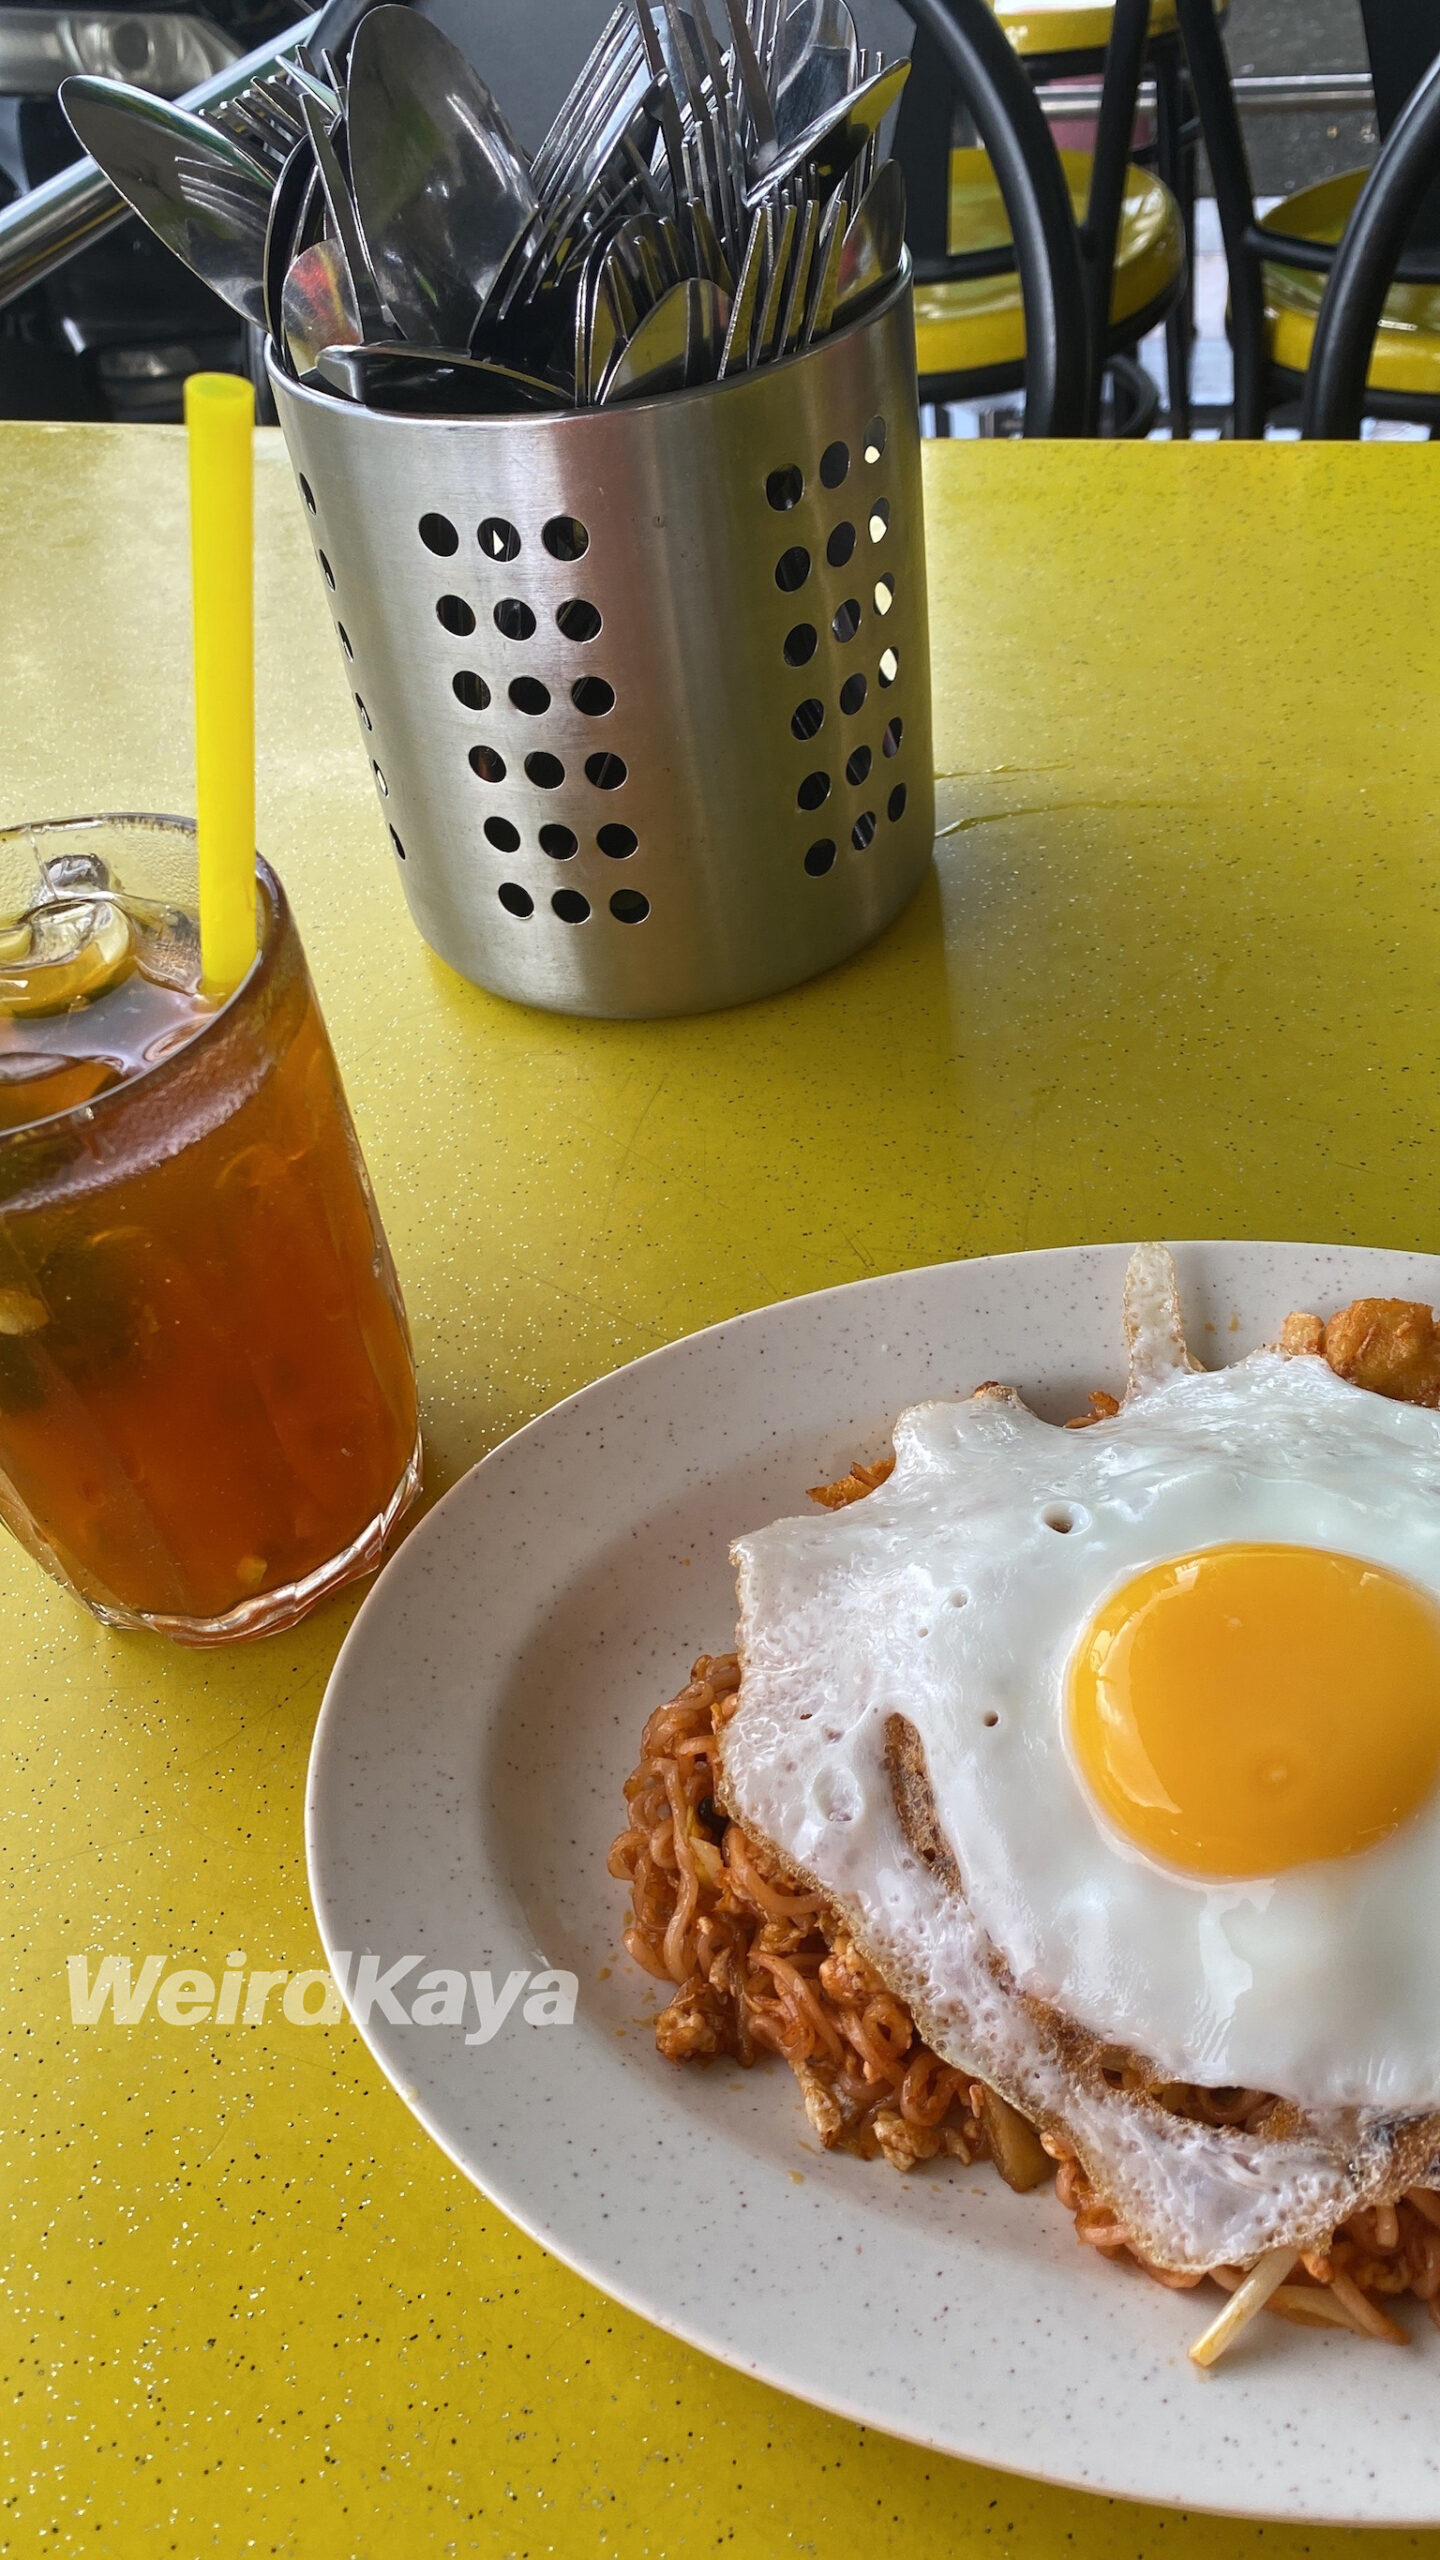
1278	264
1351	314
1067	40
960	46
972	333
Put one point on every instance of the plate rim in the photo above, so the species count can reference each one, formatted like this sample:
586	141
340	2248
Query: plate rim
685	2325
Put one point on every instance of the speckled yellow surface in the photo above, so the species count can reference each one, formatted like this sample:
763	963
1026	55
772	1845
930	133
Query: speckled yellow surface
1177	973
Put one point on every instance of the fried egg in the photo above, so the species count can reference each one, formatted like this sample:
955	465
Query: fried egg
1176	1681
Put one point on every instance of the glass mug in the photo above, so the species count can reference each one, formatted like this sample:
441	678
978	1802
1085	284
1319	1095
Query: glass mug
207	1391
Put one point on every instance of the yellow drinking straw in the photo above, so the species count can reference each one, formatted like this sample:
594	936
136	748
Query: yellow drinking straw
220	416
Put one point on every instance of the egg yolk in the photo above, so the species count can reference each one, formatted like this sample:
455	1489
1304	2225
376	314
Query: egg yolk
1251	1708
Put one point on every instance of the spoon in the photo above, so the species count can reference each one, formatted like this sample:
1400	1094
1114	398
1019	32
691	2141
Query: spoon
344	220
815	26
607	333
590	350
442	189
200	192
317	306
874	241
676	344
435	381
835	138
824	79
285	229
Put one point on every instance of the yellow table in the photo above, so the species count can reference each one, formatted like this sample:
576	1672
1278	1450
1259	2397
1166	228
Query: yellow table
1176	974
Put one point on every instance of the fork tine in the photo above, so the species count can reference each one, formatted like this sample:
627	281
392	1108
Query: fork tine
579	103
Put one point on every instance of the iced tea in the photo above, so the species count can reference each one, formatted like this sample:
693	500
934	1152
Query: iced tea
207	1396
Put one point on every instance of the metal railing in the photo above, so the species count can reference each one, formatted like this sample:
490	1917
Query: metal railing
1257	93
41	231
167	50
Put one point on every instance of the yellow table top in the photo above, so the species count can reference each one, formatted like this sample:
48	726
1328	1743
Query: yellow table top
1176	974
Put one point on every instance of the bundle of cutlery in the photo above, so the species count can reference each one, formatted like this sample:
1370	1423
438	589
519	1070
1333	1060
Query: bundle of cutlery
705	201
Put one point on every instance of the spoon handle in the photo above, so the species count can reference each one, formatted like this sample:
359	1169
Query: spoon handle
825	282
665	106
347	228
752	81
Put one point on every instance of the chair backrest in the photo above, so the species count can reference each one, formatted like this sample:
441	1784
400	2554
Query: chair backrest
1365	264
1402	38
961	54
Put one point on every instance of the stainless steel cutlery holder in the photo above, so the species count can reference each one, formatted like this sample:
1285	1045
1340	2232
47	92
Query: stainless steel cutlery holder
645	689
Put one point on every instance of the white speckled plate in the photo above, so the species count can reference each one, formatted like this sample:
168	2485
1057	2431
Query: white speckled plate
464	1787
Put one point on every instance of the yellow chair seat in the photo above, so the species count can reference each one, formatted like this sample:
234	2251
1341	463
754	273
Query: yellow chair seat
1070	26
1406	354
972	324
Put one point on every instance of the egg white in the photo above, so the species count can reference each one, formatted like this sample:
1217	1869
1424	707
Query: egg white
954	1597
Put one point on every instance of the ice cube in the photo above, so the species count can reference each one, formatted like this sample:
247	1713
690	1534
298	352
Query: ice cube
77	947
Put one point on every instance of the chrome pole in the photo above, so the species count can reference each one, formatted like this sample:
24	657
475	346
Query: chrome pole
41	231
1262	93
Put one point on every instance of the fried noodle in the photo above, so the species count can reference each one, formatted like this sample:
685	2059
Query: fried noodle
757	1968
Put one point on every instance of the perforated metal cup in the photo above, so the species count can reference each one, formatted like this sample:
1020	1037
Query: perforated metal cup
645	690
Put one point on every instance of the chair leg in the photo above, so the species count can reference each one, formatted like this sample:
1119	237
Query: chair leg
1175	163
1177	368
1230	169
1248	346
1114	134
